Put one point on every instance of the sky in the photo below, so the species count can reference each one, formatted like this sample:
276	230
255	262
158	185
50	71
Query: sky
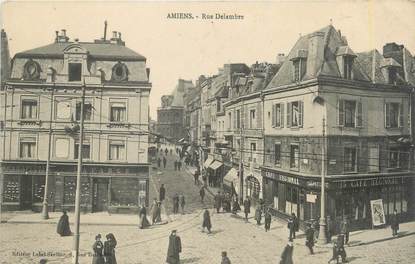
187	48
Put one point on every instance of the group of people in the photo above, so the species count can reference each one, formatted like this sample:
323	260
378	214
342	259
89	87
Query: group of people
178	200
227	202
104	253
164	162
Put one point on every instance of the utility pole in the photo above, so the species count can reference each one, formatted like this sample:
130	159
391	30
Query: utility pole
75	249
241	149
45	209
322	236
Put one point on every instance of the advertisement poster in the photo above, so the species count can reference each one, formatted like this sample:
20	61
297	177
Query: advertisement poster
378	215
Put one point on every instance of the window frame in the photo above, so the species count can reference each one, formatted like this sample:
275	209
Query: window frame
117	143
71	72
22	107
76	150
277	162
351	162
118	105
32	140
292	157
78	111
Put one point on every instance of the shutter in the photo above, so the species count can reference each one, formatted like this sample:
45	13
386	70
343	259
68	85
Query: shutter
401	115
282	115
259	116
300	113
274	112
359	115
234	120
289	114
340	109
387	116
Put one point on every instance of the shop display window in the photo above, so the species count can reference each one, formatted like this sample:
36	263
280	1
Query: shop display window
38	188
11	189
124	192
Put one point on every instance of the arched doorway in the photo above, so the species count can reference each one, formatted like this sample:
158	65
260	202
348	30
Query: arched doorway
252	187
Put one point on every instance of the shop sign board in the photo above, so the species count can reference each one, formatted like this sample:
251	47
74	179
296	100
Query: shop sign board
311	198
378	215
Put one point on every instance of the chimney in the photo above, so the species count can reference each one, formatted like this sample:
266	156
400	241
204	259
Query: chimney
395	51
119	35
105	30
114	34
56	36
62	37
280	58
315	53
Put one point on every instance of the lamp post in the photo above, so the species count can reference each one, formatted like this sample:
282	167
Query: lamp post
322	236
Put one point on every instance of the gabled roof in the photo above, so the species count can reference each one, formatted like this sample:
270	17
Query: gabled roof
103	51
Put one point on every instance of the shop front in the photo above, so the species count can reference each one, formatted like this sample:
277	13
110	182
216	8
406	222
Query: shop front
215	172
231	182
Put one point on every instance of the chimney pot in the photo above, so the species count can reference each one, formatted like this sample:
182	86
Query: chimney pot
119	35
64	32
114	34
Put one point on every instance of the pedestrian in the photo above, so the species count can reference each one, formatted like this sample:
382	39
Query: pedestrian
235	205
109	249
394	223
182	202
258	215
196	176
225	259
287	253
175	203
247	208
162	193
158	162
330	228
175	165
202	193
340	248
290	226
98	247
218	201
174	249
164	162
153	210
63	228
296	223
143	223
206	221
309	238
166	151
267	219
344	229
179	164
335	254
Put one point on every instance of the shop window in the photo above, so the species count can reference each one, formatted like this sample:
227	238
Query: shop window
142	192
69	189
277	155
38	188
27	147
11	189
118	112
117	150
75	72
350	159
295	114
87	111
295	156
86	151
29	109
350	113
124	192
393	115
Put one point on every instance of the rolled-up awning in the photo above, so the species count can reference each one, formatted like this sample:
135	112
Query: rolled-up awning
208	162
215	165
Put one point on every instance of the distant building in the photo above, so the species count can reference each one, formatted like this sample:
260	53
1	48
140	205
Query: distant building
171	114
5	57
44	92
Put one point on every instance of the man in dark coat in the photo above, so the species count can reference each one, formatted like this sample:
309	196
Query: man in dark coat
344	229
182	202
225	259
206	221
235	205
175	204
267	219
164	162
158	162
258	215
166	151
63	228
287	254
143	223
218	202
162	193
202	193
290	226
330	228
179	164
247	208
309	238
394	223
196	177
175	248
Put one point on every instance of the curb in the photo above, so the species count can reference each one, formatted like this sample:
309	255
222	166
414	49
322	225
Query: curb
52	223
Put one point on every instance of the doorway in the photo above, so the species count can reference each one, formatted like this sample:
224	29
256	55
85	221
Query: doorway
100	195
26	192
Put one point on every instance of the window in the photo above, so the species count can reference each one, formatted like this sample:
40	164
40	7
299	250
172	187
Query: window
86	151
295	156
278	115
277	154
87	111
27	147
295	114
373	159
393	115
347	67
252	118
238	118
350	159
394	158
229	121
299	68
117	150
118	112
350	113
29	109
75	72
392	75
252	152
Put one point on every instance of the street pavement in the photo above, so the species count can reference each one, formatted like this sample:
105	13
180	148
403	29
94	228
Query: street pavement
245	242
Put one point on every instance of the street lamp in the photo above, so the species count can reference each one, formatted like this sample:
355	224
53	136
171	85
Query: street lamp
322	236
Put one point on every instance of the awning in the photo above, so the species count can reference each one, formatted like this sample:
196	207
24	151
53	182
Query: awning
208	162
231	176
215	165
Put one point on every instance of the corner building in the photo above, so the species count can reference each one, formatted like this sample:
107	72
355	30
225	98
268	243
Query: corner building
43	95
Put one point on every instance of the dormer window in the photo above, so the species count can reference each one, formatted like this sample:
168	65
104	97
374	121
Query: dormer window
75	72
392	73
300	65
389	69
347	67
345	58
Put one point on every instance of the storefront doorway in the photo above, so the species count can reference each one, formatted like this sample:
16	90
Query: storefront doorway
100	195
26	192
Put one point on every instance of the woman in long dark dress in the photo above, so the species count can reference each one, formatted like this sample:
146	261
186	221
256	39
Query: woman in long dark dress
143	218
109	249
63	228
98	247
206	221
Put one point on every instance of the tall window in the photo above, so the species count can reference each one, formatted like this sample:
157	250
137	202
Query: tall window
86	151
117	150
350	159
392	75
350	113
294	156
277	154
238	118
75	72
393	115
29	109
295	114
252	152
252	118
87	111
229	121
394	158
27	147
299	65
347	67
278	115
373	159
118	112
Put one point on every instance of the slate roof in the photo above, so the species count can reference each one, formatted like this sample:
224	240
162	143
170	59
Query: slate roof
104	51
366	61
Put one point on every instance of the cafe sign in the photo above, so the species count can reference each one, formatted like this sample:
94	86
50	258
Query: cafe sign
279	177
368	182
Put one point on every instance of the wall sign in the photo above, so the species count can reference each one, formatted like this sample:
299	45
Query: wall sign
378	215
368	182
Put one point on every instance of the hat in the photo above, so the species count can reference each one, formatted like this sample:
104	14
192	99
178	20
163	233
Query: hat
97	236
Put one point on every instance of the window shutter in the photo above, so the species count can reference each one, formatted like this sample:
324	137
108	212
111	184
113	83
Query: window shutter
259	116
387	115
300	113
359	115
282	115
274	112
289	114
234	120
340	109
401	115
